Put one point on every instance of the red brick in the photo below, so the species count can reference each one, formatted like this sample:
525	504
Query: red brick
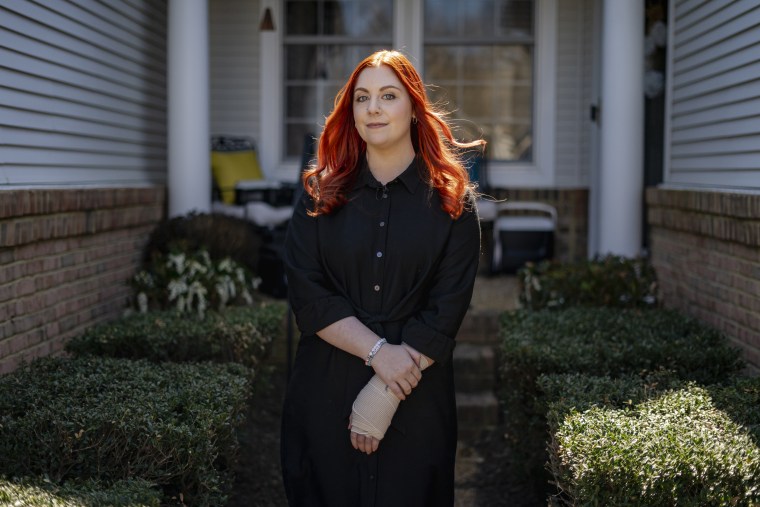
9	364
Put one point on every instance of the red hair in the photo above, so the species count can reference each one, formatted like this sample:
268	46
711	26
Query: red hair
340	145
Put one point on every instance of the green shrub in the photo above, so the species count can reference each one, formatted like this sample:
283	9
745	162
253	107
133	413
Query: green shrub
41	493
221	235
566	392
239	334
597	341
690	446
113	419
611	281
614	342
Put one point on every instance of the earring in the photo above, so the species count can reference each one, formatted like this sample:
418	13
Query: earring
414	120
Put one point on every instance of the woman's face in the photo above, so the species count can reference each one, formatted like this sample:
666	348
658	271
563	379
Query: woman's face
382	109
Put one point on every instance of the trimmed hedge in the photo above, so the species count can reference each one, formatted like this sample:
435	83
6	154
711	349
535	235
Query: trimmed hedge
654	441
611	281
612	341
597	341
40	493
239	334
113	419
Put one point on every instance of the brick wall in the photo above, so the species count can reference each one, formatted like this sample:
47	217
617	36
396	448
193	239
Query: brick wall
706	250
65	257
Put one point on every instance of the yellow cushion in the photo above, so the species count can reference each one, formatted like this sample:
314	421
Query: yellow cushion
228	168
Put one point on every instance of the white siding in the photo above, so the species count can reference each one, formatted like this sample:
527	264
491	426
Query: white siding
713	130
234	63
82	92
574	78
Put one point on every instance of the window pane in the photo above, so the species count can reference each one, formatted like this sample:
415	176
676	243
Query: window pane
441	18
295	133
301	101
515	17
441	63
477	18
336	18
373	18
301	18
477	101
477	63
301	62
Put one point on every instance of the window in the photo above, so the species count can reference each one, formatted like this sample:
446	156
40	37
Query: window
322	43
479	55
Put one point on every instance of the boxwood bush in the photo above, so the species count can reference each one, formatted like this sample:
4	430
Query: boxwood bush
611	341
599	341
653	441
37	492
239	334
611	281
113	419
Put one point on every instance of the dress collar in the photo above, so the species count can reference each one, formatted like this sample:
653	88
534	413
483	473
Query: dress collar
410	178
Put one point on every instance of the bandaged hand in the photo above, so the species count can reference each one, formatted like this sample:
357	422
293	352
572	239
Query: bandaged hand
375	406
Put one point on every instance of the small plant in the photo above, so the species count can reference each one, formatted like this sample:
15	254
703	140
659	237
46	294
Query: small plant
192	282
611	281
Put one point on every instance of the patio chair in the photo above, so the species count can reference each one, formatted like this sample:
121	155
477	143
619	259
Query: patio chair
239	186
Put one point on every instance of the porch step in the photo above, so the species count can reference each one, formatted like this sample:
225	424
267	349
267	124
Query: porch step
474	368
480	327
476	412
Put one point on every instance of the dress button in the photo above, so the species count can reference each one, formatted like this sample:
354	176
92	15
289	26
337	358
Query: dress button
379	254
377	288
382	224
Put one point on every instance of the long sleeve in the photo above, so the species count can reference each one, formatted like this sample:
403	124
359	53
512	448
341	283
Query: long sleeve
433	329
313	297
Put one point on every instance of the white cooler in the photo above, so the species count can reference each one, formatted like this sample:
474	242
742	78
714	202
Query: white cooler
527	236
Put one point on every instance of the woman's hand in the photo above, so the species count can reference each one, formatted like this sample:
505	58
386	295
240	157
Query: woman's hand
398	369
363	443
417	356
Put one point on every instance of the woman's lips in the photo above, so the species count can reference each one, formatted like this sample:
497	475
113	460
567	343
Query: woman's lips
375	125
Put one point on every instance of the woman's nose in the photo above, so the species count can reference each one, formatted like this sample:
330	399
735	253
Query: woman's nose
373	106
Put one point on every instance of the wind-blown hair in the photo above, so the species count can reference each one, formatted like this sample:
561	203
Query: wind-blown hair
340	145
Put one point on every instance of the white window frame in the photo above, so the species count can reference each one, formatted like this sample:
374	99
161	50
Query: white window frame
407	36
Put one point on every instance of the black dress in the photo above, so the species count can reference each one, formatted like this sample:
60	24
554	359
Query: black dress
395	260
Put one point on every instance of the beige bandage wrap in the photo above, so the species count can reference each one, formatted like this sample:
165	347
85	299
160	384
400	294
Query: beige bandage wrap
374	407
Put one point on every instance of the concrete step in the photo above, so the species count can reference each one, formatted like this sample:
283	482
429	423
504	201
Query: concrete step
476	412
480	327
474	368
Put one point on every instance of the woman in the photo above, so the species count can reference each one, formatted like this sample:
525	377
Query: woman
381	256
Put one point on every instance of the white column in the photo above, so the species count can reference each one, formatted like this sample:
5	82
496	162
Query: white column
188	107
621	158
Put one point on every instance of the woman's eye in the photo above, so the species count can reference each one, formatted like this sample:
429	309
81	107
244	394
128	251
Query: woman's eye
361	98
389	96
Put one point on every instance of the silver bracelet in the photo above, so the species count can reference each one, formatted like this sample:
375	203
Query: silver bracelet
374	350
